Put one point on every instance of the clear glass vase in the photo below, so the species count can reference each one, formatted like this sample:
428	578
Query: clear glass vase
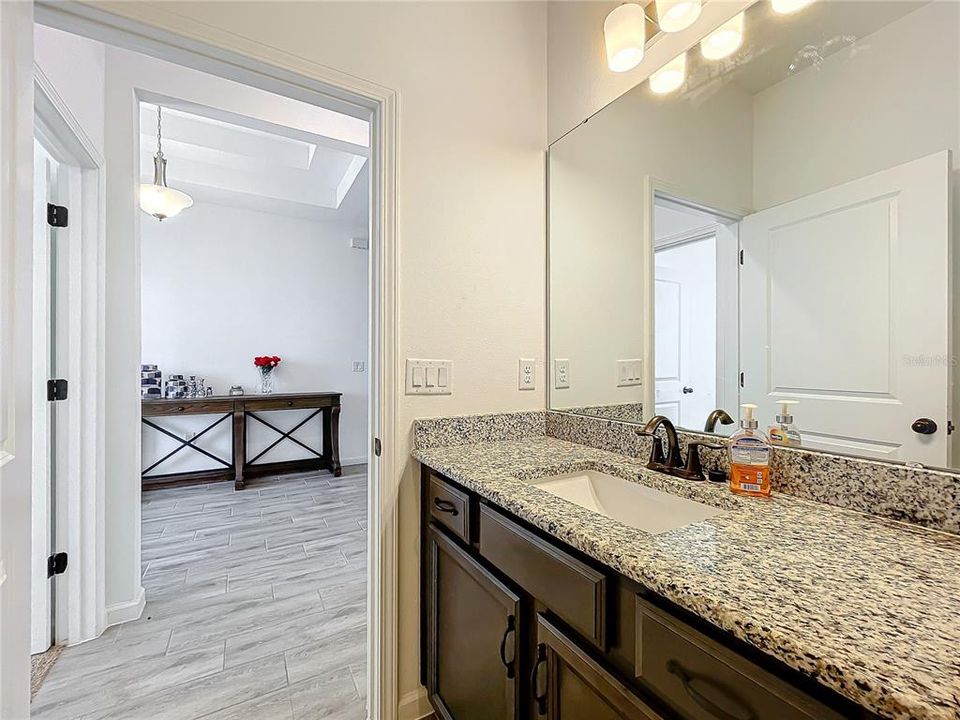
266	380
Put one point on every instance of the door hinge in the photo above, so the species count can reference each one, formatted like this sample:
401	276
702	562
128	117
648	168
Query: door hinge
741	257
56	564
950	427
56	389
377	448
56	215
741	379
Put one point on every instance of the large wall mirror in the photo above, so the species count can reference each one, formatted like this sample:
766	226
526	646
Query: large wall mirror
777	228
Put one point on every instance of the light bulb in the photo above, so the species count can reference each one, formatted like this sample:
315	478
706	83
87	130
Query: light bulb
677	15
670	76
625	34
725	40
785	7
163	202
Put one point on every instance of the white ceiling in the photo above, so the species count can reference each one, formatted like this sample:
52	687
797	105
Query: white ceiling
221	157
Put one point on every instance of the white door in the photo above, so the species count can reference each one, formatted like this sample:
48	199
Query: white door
685	329
844	305
16	386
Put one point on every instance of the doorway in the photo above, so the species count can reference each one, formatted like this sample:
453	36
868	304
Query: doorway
695	285
268	566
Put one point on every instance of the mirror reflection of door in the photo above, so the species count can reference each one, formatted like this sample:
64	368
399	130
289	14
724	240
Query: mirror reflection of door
685	319
842	307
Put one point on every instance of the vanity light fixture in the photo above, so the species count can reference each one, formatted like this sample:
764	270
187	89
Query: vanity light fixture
677	15
157	198
725	40
625	34
670	76
785	7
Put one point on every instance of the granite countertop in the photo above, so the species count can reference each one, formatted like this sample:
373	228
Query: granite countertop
866	606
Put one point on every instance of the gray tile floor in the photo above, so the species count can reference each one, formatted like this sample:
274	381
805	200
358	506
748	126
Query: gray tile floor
256	609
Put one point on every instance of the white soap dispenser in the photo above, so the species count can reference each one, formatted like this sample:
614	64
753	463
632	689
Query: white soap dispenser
785	432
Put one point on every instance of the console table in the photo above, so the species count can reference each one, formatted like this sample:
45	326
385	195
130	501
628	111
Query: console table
239	410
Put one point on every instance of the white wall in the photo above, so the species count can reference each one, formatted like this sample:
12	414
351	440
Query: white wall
894	99
471	79
245	283
76	67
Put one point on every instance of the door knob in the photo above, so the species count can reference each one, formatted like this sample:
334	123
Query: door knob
687	389
924	426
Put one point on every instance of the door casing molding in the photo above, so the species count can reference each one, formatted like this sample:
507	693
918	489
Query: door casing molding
80	505
154	31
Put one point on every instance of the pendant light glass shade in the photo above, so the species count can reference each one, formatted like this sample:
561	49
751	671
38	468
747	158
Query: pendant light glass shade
677	15
670	76
625	34
157	198
785	7
725	40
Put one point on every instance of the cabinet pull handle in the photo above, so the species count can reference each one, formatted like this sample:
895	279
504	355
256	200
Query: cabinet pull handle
446	506
540	698
736	712
508	664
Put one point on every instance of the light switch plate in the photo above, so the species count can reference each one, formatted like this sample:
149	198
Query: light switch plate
359	366
629	372
527	375
429	377
561	373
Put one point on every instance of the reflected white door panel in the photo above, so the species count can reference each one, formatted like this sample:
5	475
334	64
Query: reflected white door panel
840	310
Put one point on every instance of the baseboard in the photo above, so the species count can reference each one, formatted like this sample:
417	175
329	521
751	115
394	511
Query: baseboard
345	462
414	706
127	611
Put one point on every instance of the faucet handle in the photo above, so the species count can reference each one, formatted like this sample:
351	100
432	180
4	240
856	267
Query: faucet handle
694	468
656	451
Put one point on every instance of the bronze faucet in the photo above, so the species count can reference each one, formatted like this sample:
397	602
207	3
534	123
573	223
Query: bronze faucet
670	462
717	415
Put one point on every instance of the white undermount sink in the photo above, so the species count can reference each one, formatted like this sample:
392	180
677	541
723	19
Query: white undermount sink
639	506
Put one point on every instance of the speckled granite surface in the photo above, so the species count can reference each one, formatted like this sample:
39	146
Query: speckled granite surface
930	498
624	412
866	606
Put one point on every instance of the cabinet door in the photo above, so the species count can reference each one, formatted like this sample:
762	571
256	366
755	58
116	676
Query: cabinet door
473	637
568	684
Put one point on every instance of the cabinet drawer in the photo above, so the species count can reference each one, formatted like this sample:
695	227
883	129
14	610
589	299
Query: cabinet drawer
703	680
449	507
281	403
172	407
570	588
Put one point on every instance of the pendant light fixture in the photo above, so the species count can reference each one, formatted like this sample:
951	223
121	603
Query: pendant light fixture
625	34
725	40
677	15
158	199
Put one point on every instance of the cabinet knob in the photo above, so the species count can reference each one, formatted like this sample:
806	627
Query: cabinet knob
687	389
180	408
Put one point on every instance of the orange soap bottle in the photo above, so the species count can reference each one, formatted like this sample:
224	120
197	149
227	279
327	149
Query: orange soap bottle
749	458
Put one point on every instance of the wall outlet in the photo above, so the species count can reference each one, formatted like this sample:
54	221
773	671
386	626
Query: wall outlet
629	372
359	366
527	376
360	243
429	377
561	373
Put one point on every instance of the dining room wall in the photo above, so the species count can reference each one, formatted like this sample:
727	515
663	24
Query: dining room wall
223	284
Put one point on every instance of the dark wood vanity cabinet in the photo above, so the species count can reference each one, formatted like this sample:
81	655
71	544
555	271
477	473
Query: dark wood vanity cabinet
568	684
518	626
473	627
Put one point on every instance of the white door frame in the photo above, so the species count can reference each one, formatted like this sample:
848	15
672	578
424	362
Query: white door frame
16	362
654	187
80	612
260	66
